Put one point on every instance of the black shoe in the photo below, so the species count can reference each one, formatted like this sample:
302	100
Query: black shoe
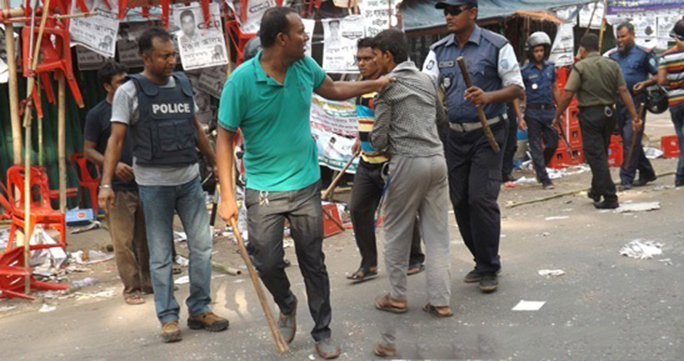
679	182
642	181
594	196
548	184
472	277
509	178
606	204
624	186
489	283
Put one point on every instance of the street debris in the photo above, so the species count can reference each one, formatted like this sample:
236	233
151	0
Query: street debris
663	187
641	249
546	234
89	227
183	280
653	153
7	308
556	218
108	293
181	261
51	257
88	281
551	273
529	305
93	256
638	207
46	308
179	237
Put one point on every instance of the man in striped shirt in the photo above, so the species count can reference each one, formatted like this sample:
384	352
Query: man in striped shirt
671	75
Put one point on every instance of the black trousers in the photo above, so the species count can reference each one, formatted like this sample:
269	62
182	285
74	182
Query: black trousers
474	184
511	144
639	161
543	140
266	214
366	195
597	127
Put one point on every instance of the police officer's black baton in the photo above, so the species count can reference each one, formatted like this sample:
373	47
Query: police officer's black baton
480	112
634	138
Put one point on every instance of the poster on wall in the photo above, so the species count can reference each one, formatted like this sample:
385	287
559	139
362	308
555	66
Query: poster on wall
334	150
127	43
379	15
211	80
641	6
585	15
99	32
200	46
255	11
4	68
337	117
563	45
88	59
309	25
340	37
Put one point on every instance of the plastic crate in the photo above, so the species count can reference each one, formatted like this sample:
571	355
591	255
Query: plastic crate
329	227
670	146
615	154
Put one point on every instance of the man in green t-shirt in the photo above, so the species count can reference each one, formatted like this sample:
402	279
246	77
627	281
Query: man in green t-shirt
269	98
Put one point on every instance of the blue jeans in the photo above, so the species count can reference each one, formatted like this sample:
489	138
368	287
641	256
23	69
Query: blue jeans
677	113
159	204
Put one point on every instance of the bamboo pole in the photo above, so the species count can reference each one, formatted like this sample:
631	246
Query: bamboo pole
41	147
603	25
61	140
13	88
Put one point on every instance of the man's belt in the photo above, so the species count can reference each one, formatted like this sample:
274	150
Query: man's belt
541	106
468	127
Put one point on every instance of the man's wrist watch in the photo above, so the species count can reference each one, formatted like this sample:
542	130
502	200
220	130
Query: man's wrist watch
105	186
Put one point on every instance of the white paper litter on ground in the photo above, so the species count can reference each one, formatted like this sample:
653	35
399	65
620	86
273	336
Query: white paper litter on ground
181	261
556	218
180	237
653	153
529	305
7	308
54	256
641	249
47	308
183	280
549	273
638	207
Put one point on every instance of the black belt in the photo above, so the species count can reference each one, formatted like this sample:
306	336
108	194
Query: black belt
541	106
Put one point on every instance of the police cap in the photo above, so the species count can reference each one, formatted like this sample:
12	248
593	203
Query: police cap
444	3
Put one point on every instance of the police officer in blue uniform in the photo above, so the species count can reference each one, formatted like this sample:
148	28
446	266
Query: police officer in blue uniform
541	91
474	167
637	64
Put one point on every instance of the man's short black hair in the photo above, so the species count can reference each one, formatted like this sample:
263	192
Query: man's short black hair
590	42
364	43
628	25
146	38
273	23
109	70
187	12
394	41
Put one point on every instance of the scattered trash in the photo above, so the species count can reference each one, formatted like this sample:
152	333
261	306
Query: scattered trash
7	308
239	281
50	257
179	237
108	293
550	273
90	227
88	281
181	261
47	308
662	187
556	218
93	256
546	234
529	305
288	242
183	280
641	249
653	153
667	261
312	357
638	207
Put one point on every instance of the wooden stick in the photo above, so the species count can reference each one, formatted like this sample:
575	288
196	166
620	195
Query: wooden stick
625	166
27	207
61	139
13	88
335	220
603	25
592	17
58	17
333	184
275	331
41	148
480	112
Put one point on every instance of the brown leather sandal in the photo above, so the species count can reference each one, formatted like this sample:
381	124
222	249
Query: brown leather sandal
382	351
134	299
442	311
386	303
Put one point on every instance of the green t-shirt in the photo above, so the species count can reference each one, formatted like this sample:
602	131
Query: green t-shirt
280	152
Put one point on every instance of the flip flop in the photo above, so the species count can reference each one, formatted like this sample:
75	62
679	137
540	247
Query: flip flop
382	351
362	274
134	299
435	312
383	303
415	269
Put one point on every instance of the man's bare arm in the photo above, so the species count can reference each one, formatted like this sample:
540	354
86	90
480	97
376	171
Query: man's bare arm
225	164
203	143
91	153
343	90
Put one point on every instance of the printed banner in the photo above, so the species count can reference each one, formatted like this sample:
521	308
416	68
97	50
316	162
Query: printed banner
211	80
200	46
640	6
379	15
334	117
652	30
4	68
97	33
340	37
88	59
127	43
585	15
334	150
309	25
563	45
255	11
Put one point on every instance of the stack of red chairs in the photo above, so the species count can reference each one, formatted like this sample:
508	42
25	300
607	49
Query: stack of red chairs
86	180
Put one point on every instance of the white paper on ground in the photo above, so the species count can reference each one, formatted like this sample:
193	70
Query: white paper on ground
638	207
641	249
183	280
556	218
529	305
549	273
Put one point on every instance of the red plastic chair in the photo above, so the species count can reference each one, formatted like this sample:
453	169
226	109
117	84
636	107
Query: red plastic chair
41	210
12	275
5	203
85	178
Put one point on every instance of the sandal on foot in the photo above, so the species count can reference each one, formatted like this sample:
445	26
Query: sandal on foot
386	303
415	268
134	299
363	274
443	312
382	351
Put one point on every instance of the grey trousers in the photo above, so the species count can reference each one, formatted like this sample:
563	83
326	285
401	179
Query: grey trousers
418	186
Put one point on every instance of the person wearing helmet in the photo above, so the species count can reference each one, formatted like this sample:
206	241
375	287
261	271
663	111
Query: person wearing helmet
671	75
637	64
541	92
251	49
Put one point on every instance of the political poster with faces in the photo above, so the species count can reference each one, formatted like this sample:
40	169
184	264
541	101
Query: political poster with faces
379	15
337	117
127	43
585	15
334	150
99	32
200	46
340	37
562	48
211	80
255	11
4	68
88	59
309	25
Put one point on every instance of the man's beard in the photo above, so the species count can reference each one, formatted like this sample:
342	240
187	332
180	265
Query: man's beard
626	48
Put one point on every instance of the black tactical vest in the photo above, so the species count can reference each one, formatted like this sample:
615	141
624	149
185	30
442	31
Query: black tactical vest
165	134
